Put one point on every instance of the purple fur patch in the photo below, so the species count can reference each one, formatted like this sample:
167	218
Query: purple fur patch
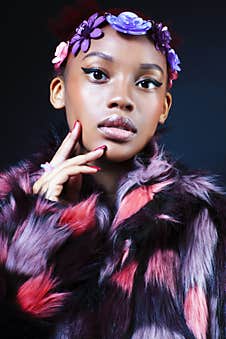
201	243
34	241
156	332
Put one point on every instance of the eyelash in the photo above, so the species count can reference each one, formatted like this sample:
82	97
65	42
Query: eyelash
98	71
92	71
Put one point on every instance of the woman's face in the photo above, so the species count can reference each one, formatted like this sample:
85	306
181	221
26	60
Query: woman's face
117	90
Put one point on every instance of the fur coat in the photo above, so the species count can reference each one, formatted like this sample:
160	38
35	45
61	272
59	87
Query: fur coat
152	267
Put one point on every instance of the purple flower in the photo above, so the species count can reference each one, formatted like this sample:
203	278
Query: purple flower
129	23
173	60
86	31
161	36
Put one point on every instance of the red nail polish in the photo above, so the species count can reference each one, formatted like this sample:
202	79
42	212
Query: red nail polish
75	128
75	123
104	147
96	167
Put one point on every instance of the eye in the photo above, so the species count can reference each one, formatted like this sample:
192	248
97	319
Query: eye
148	83
95	74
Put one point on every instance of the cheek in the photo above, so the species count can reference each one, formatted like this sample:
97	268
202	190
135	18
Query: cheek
75	103
151	108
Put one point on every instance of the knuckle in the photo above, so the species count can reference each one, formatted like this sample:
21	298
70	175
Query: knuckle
36	187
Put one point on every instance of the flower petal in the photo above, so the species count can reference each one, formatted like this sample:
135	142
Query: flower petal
56	60
75	38
85	45
76	47
57	66
92	19
99	21
96	33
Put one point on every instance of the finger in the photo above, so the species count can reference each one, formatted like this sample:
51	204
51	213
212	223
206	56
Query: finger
70	164
67	145
63	176
60	176
53	192
85	158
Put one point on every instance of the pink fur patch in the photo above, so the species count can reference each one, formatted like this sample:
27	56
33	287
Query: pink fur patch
137	199
125	252
35	296
81	217
166	217
3	249
45	206
19	231
162	269
24	182
5	187
196	312
124	278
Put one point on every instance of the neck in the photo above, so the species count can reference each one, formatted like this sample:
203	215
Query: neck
110	174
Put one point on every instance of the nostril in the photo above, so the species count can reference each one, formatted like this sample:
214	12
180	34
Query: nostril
124	106
113	104
129	107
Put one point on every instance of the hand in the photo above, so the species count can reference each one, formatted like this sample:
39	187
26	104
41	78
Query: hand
67	172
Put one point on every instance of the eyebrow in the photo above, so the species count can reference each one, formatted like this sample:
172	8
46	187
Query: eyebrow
100	55
145	66
151	66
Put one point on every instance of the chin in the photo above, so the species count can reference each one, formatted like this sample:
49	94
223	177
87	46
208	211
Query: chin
117	153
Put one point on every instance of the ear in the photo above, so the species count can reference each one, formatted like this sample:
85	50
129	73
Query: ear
166	108
57	93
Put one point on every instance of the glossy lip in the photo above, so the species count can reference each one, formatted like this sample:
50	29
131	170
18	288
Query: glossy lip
116	134
119	122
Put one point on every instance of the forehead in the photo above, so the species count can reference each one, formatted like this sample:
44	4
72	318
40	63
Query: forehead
125	49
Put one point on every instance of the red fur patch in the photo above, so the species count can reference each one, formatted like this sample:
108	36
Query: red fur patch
35	296
162	269
137	199
196	312
81	218
124	278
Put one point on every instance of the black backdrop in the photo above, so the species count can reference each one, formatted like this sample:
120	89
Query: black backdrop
197	123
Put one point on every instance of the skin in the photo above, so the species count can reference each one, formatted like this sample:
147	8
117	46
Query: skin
120	85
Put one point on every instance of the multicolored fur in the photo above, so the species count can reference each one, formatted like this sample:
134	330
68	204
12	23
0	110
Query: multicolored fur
154	269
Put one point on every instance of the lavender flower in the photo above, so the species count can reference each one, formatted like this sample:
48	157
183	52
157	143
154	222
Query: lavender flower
129	23
86	31
173	60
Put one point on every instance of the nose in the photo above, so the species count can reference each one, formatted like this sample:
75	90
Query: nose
121	99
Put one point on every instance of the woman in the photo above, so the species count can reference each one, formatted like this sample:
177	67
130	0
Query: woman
112	239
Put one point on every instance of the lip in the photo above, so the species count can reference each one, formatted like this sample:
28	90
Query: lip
118	121
116	134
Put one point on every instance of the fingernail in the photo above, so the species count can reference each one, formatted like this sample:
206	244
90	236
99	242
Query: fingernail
75	128
104	147
96	167
75	123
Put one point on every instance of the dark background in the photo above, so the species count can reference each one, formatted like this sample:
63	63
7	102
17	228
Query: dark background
197	123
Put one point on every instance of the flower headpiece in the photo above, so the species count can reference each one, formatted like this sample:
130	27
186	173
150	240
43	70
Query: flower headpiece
127	23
